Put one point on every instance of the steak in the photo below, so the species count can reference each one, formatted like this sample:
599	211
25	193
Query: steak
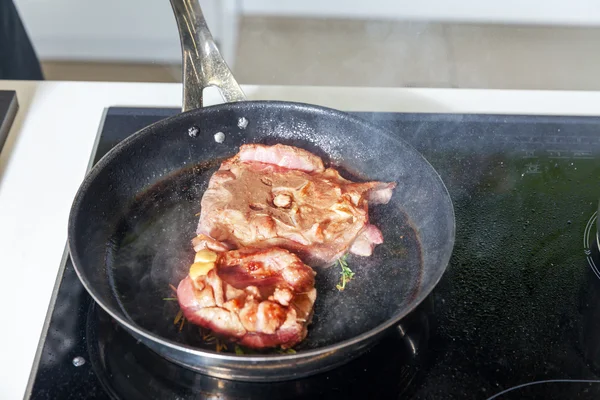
267	213
282	196
256	297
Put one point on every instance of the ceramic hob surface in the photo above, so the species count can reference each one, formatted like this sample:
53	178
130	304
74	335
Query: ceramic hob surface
515	316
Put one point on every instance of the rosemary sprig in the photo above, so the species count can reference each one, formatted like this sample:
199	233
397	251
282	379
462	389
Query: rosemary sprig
346	274
178	317
220	346
207	336
286	351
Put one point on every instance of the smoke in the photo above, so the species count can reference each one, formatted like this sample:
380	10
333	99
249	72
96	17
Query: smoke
337	52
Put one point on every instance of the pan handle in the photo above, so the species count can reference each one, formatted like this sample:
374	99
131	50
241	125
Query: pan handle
203	65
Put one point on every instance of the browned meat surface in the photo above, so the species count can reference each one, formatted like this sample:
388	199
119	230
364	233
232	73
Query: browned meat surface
257	297
266	210
282	196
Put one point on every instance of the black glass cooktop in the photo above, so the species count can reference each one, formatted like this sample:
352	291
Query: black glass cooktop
517	314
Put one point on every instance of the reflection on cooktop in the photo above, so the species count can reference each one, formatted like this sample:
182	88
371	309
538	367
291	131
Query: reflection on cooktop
561	389
591	244
129	370
589	345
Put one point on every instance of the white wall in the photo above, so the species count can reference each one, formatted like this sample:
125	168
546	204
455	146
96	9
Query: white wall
559	12
145	30
115	30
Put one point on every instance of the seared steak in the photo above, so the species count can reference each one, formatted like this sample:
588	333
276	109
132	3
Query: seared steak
258	298
245	284
282	196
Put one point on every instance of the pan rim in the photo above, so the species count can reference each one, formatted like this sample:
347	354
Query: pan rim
307	354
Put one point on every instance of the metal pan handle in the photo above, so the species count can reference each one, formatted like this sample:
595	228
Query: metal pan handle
203	65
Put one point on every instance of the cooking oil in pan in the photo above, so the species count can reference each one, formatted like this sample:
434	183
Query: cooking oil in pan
152	251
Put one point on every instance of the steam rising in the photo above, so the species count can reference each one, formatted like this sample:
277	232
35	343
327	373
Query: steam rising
337	52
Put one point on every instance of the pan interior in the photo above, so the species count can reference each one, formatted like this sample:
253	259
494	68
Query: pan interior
151	250
135	215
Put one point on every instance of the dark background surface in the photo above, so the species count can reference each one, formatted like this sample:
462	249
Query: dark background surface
8	111
517	305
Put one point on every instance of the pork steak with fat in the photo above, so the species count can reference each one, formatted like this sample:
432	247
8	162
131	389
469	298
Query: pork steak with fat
283	196
258	298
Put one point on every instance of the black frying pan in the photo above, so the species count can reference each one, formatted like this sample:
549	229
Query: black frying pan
135	213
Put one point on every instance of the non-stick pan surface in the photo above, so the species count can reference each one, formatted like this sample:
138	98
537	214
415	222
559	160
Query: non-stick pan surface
136	212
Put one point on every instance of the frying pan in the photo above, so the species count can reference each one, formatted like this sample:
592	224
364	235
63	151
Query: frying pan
135	213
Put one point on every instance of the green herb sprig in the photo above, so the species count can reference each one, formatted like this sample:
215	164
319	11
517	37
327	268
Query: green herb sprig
346	274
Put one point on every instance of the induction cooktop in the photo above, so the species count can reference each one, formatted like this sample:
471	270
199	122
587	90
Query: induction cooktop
516	315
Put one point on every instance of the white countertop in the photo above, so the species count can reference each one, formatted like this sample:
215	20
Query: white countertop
48	150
